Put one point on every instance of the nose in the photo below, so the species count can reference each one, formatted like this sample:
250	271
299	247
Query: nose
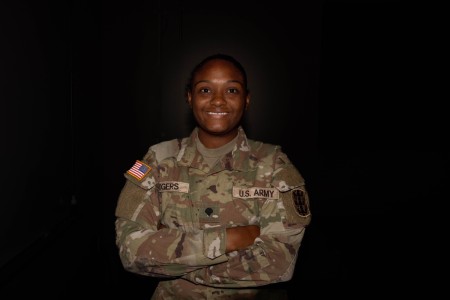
218	99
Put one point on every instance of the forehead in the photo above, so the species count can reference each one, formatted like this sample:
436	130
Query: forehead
219	68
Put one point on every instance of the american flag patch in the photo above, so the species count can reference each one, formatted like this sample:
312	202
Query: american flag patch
139	170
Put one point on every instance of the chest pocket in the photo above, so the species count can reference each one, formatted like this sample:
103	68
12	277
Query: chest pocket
178	216
176	206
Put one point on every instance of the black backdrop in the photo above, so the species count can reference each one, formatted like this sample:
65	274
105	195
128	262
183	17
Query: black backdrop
348	88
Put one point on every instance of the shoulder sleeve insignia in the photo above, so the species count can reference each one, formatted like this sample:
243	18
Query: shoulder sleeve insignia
139	170
300	202
296	205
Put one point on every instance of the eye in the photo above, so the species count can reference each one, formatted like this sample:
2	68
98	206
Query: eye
233	90
204	90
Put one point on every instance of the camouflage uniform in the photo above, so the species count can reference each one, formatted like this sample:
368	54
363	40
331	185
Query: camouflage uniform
174	209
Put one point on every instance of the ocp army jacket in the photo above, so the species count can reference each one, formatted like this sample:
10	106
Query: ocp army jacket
173	211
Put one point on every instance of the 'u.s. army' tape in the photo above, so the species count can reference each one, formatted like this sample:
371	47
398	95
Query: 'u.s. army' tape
256	192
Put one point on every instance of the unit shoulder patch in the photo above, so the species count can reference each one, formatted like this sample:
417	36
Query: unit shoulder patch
299	197
296	205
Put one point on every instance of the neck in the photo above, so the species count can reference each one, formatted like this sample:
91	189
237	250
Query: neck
212	141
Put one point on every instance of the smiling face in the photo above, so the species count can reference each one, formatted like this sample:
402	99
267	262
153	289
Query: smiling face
218	98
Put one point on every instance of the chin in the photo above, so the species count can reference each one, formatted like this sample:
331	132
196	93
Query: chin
217	128
221	131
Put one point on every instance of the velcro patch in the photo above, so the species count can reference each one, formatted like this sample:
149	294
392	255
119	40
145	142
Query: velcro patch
139	170
256	192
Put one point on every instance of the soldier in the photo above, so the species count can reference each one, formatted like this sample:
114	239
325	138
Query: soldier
215	214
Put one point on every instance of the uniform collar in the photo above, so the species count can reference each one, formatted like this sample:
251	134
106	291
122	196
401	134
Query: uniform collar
240	159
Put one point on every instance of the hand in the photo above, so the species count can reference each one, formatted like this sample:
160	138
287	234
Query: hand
241	237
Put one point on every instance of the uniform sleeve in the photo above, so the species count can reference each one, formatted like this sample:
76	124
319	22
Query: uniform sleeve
273	255
146	249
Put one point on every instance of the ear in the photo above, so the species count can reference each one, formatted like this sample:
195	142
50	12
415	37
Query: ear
189	98
247	101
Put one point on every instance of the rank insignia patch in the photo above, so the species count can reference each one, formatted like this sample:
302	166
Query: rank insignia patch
300	202
139	170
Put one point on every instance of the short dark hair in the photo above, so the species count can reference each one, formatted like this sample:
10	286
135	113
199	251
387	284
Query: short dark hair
221	56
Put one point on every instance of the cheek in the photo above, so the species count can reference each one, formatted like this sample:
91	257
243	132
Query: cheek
196	110
200	102
238	105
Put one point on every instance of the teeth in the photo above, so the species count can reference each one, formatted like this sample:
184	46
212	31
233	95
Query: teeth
214	113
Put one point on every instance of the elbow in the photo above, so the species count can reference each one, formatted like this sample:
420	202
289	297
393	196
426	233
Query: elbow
289	270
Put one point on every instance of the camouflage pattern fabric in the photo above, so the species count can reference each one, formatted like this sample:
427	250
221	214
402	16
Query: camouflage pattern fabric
174	209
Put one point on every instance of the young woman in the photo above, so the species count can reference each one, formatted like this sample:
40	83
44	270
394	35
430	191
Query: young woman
216	213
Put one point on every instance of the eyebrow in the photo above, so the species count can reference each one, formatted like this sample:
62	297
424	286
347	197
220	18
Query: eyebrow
229	81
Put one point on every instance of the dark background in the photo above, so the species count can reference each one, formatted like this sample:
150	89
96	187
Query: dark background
351	90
